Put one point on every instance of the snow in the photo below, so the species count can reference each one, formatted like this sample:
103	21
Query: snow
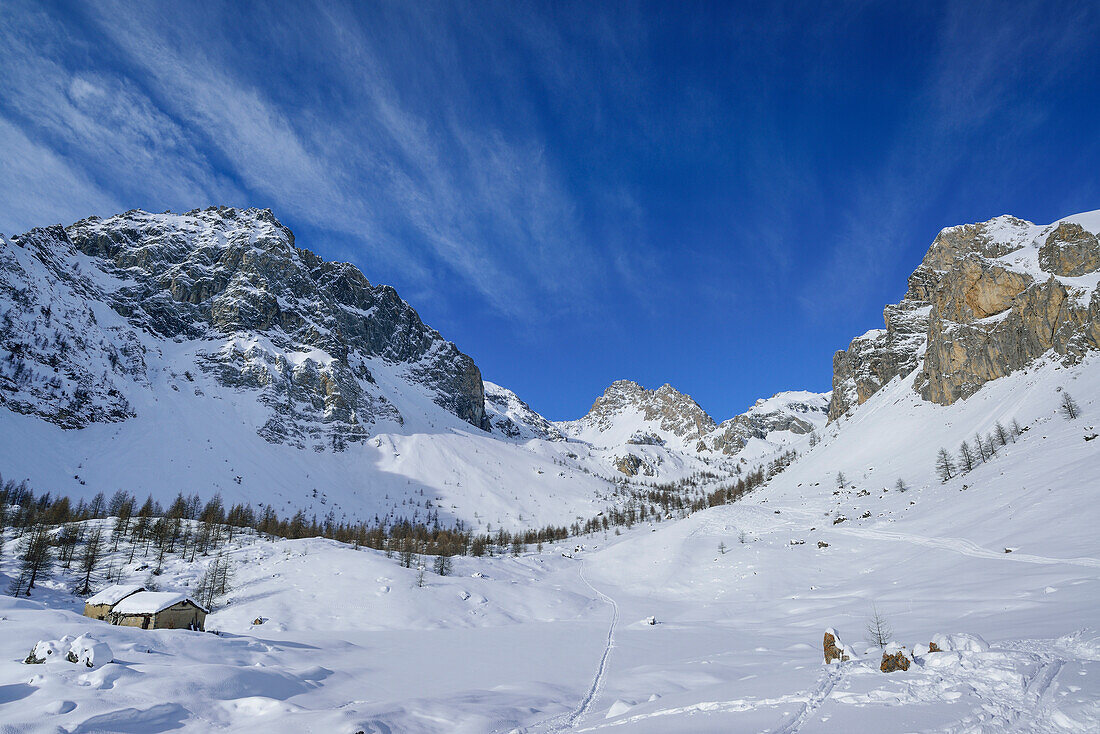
149	602
535	642
114	594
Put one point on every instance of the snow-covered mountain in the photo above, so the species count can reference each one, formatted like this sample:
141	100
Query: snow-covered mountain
509	416
713	622
327	355
628	416
628	413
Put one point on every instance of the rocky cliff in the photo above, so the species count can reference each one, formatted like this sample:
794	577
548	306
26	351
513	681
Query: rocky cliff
986	300
90	308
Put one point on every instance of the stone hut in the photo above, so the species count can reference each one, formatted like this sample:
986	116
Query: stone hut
159	610
100	605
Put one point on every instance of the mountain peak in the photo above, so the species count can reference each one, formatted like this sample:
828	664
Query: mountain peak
987	299
304	335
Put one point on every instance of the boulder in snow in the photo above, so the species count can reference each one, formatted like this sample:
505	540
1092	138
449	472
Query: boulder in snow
835	649
959	642
894	659
89	652
48	651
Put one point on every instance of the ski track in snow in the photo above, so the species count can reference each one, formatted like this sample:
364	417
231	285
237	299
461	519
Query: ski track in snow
565	722
817	696
966	547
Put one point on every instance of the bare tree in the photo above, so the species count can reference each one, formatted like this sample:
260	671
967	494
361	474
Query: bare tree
841	480
1001	433
966	457
1016	430
215	581
89	559
878	629
901	486
944	465
722	548
37	557
979	443
1070	409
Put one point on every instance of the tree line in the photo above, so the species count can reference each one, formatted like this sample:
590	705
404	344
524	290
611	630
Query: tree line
54	533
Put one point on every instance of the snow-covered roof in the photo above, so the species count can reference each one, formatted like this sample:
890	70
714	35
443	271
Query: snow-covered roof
151	602
114	594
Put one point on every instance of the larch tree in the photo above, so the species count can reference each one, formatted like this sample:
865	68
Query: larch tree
878	629
966	457
1001	433
1070	409
945	467
90	558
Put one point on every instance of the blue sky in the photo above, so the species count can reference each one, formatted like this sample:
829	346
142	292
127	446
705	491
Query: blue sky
718	196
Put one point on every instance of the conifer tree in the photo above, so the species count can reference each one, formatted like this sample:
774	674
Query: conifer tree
944	465
966	457
1070	409
37	557
90	557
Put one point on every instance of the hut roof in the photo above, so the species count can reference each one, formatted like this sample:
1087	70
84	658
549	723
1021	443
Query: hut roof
151	602
114	594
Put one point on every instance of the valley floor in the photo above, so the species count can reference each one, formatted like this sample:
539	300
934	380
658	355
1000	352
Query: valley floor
549	643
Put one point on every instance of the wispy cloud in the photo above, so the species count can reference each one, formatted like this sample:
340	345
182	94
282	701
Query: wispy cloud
31	175
987	67
448	190
152	106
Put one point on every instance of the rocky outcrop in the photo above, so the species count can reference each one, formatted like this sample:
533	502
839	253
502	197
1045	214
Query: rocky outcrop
987	300
1070	250
835	650
632	466
893	660
257	313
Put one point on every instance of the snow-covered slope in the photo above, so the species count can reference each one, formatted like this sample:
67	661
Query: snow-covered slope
511	417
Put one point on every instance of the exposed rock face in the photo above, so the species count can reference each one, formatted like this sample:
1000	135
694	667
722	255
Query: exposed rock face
259	313
632	465
1070	250
986	300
